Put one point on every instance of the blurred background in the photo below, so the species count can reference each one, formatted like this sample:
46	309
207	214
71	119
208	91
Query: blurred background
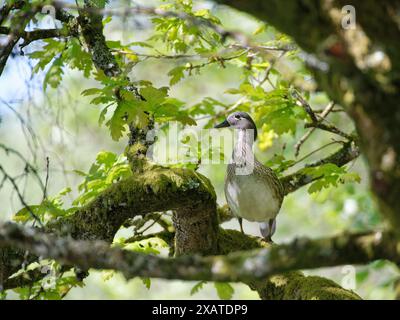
61	124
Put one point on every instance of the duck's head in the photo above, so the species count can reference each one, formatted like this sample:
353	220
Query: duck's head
239	120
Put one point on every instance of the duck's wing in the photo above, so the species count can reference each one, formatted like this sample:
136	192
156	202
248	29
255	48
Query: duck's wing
267	174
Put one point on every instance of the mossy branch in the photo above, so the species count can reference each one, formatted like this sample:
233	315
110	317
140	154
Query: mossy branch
243	266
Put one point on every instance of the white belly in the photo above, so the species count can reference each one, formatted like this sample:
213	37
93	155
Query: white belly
253	200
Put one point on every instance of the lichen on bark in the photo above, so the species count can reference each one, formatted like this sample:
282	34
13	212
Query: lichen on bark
297	286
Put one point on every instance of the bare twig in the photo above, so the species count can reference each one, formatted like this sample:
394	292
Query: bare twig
305	105
313	152
30	167
47	179
315	122
330	128
20	196
303	139
261	48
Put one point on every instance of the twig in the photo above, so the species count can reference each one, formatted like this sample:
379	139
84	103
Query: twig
225	111
303	139
47	179
215	59
27	164
305	105
268	70
330	128
264	48
313	152
21	198
164	235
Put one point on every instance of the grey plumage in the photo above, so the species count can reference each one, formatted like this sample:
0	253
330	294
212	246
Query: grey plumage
252	190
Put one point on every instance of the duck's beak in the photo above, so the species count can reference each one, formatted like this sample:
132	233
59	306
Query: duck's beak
223	124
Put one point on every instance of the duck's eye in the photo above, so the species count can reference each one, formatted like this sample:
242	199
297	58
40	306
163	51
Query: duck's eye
237	117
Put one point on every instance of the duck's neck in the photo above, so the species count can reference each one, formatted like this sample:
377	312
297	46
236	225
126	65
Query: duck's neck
243	150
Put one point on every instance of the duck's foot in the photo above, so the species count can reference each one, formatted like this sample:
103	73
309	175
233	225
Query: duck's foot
240	220
269	240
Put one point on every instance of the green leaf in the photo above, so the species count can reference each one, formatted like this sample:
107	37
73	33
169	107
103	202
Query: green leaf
77	58
116	123
323	170
260	29
24	214
176	75
51	49
107	275
329	175
378	264
99	3
317	186
102	116
224	290
106	158
107	169
126	112
65	191
54	75
233	91
107	20
197	287
146	281
350	177
362	275
154	97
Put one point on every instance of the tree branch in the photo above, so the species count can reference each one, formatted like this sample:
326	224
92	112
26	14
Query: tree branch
34	35
329	128
92	31
298	179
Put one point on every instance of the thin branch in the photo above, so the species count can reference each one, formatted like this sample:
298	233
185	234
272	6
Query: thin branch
18	24
38	34
47	179
307	108
260	48
158	56
20	196
270	67
27	164
215	59
330	128
313	152
164	235
303	139
6	8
